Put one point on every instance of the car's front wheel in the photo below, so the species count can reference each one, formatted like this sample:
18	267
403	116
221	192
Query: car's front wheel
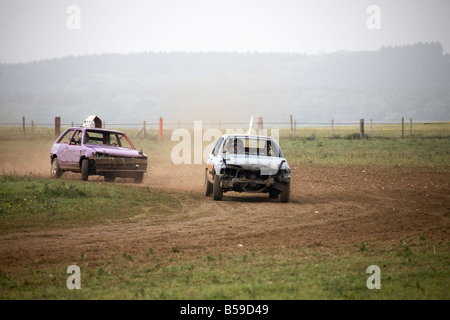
85	169
208	186
286	192
56	171
217	189
273	194
139	178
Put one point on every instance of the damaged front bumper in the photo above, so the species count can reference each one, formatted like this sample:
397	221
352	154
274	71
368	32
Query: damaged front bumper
119	164
238	179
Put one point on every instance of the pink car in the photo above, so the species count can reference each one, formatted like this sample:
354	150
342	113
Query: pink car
95	151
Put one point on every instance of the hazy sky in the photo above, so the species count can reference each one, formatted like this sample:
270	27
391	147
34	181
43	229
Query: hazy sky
44	29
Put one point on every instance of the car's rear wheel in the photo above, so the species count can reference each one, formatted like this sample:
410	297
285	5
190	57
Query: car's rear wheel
56	171
110	178
208	186
85	169
217	189
286	192
139	178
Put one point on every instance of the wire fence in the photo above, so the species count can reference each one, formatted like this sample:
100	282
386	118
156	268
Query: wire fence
292	129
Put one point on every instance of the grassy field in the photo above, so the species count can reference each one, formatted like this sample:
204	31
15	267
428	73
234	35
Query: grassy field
310	145
385	152
414	272
374	131
411	268
33	204
415	152
414	268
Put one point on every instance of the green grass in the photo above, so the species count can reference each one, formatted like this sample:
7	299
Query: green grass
391	131
27	203
426	153
413	271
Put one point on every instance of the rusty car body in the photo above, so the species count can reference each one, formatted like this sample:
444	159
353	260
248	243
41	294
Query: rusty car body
247	163
97	151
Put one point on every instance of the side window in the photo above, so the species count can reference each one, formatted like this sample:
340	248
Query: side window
113	141
95	137
217	147
275	148
76	139
124	142
65	138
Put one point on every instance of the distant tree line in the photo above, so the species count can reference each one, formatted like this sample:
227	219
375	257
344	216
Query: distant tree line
411	81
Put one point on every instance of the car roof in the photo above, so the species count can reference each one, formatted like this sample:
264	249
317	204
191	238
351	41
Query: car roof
252	136
94	129
248	136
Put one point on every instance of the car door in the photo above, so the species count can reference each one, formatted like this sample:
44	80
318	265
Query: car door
213	158
63	147
74	148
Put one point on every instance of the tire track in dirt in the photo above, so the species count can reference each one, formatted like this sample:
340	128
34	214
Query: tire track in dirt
330	207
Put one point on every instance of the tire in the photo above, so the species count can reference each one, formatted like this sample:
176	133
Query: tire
109	178
55	170
139	178
217	189
273	194
85	169
208	186
285	194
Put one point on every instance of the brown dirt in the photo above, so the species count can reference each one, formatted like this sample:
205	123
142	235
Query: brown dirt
330	207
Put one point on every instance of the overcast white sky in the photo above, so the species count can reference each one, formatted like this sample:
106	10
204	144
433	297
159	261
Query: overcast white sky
35	30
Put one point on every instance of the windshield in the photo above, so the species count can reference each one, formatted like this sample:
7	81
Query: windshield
108	139
252	146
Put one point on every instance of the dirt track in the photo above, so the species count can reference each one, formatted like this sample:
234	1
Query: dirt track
330	207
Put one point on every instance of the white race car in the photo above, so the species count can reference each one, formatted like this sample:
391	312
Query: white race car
247	163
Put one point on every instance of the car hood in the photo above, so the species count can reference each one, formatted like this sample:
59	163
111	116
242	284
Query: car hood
116	151
267	165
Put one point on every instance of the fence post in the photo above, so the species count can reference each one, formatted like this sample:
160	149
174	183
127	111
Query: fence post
371	128
403	127
291	127
57	126
361	128
295	128
32	127
332	128
23	127
410	126
259	125
160	128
